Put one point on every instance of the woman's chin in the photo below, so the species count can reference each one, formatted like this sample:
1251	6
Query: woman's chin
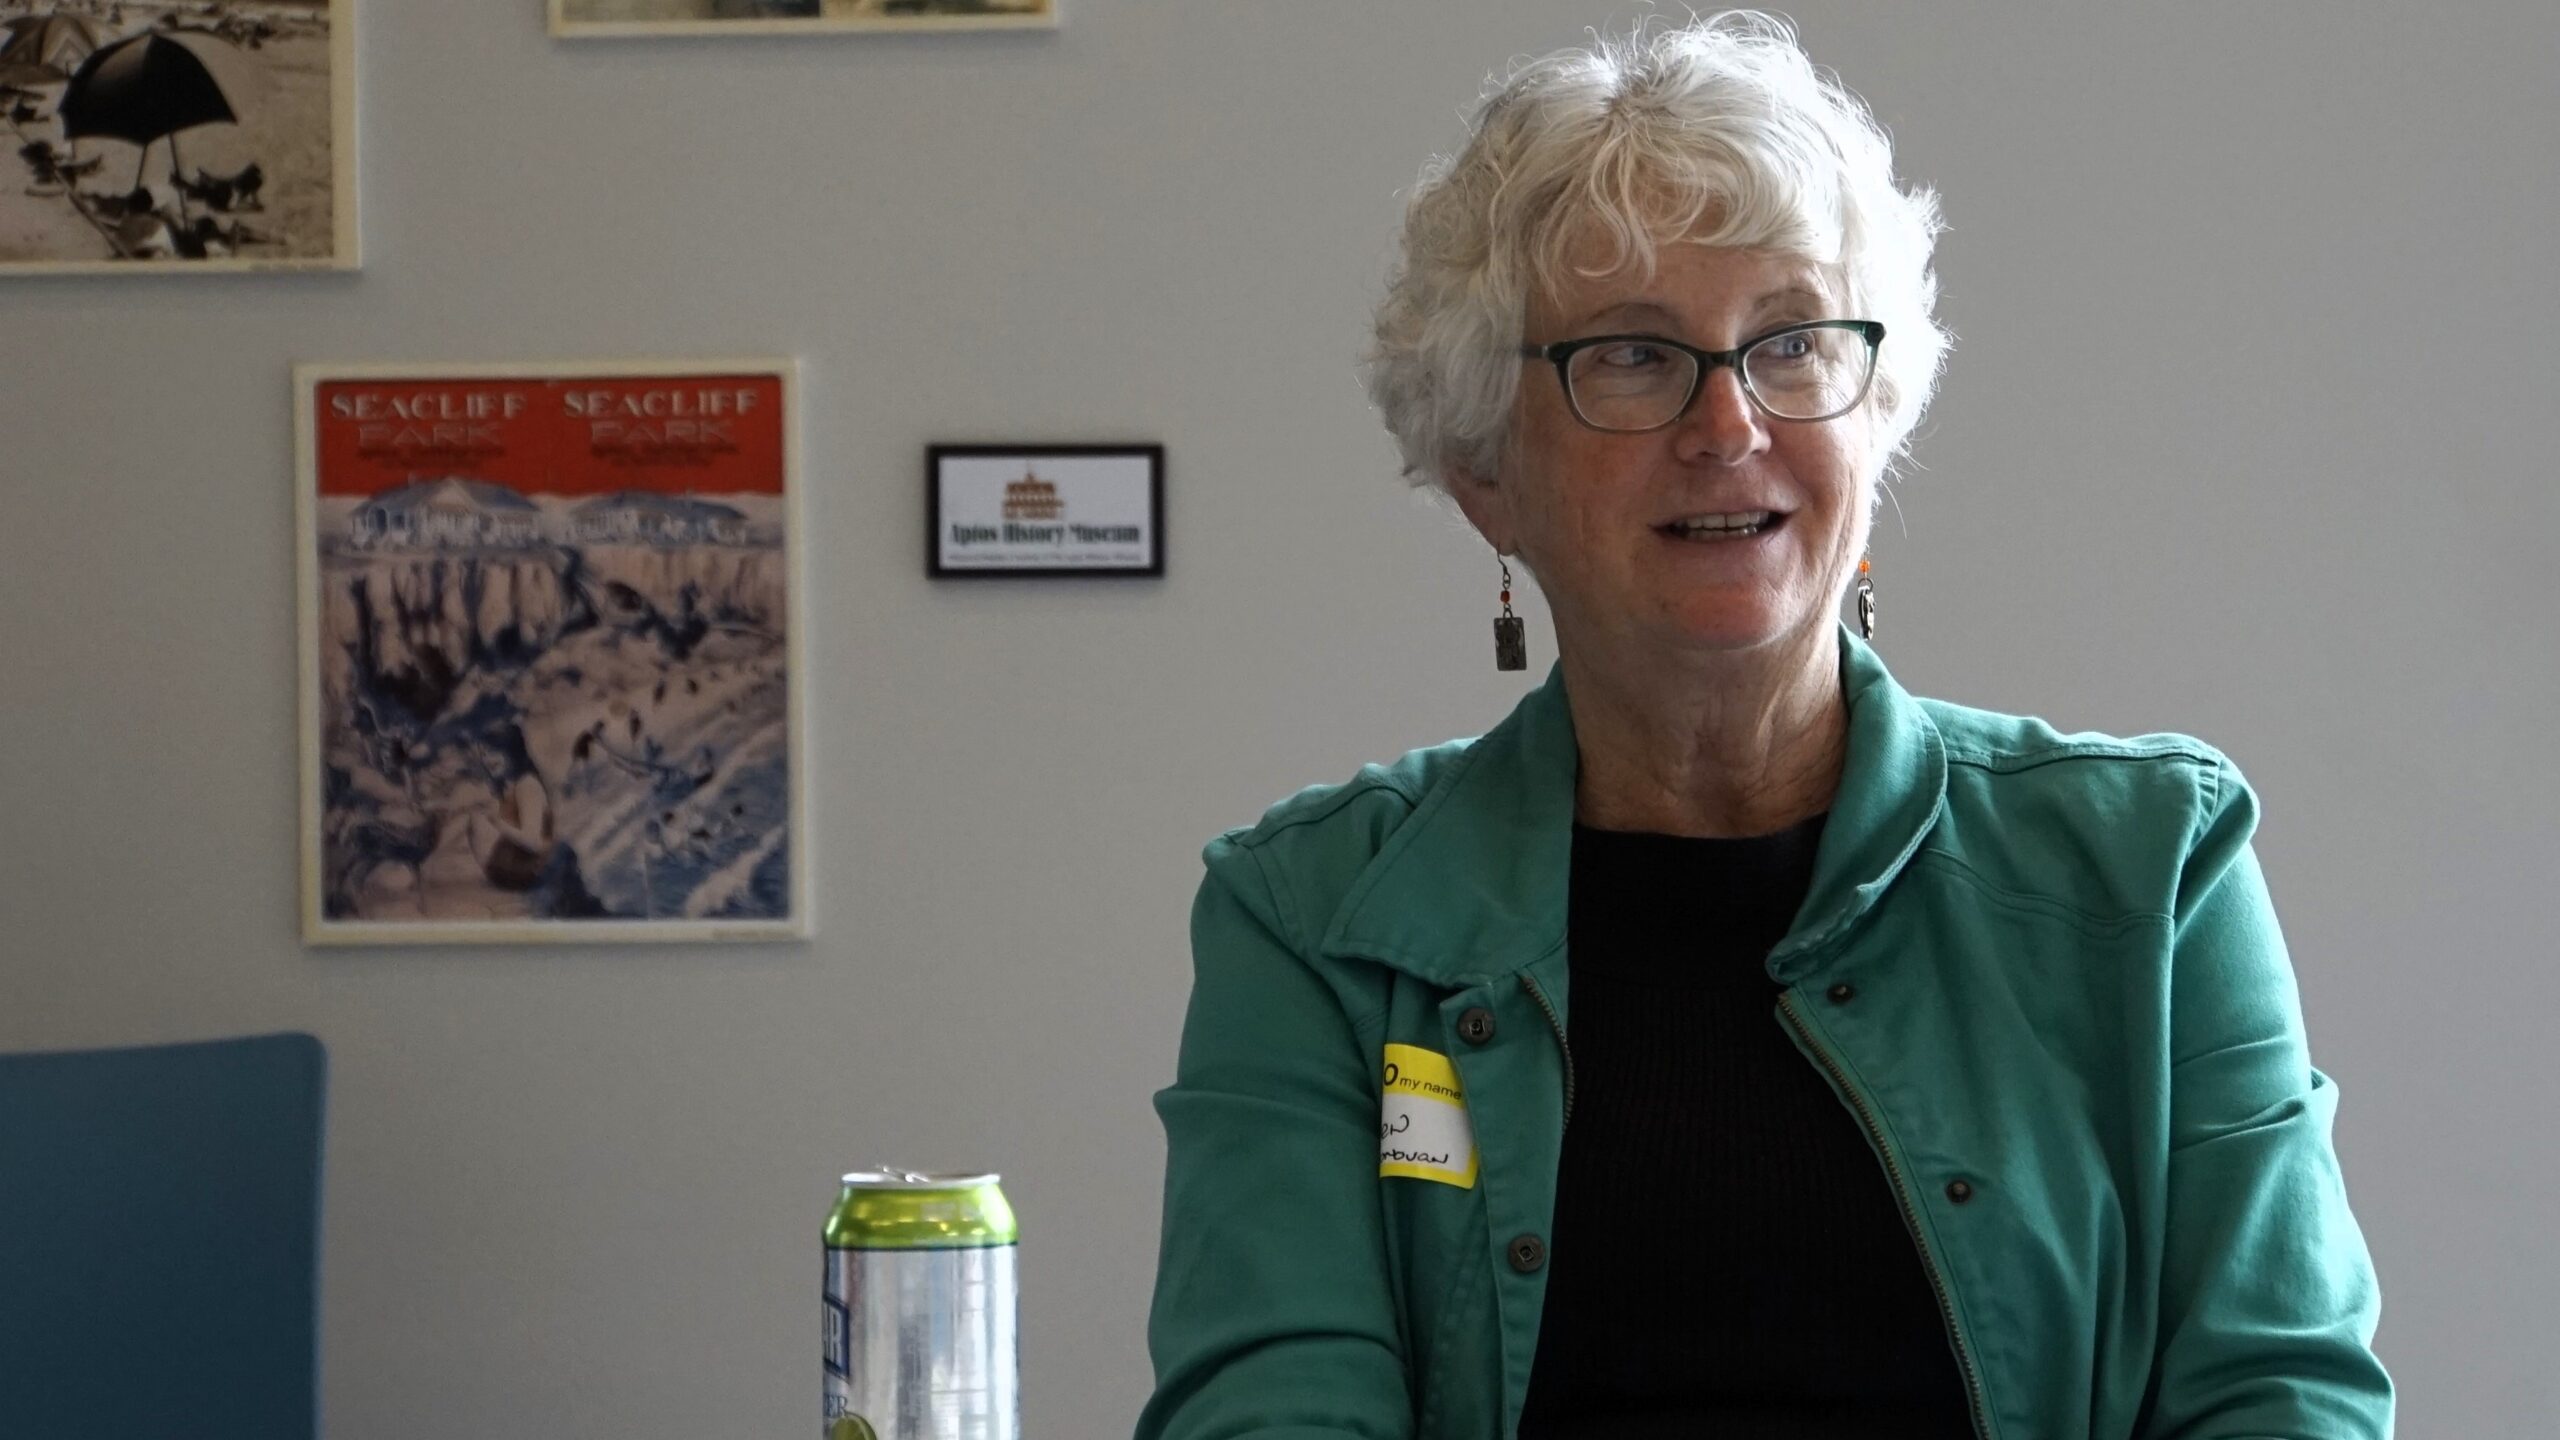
1739	628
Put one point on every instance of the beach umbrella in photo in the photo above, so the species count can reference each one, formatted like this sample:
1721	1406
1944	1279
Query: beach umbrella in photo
155	84
45	49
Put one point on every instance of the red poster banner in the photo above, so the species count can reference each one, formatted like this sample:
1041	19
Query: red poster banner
566	436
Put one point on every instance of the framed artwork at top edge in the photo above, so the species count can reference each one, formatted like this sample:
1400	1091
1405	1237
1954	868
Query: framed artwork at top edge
150	136
605	18
552	652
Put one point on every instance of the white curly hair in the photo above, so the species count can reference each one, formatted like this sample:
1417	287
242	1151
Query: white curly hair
1718	131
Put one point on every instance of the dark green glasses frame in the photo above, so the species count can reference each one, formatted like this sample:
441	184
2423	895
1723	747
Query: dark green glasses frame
1560	353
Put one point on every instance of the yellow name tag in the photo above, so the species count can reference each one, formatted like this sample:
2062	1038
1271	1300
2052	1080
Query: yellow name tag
1423	1129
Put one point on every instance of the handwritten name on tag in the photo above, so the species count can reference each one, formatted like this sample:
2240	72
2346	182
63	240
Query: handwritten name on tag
1423	1129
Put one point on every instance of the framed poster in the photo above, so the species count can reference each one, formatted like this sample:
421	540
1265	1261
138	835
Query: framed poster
178	136
1045	510
551	653
748	17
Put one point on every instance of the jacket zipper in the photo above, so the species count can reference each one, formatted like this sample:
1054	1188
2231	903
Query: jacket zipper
1531	985
1901	1192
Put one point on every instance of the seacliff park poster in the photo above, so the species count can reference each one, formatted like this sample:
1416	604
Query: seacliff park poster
550	636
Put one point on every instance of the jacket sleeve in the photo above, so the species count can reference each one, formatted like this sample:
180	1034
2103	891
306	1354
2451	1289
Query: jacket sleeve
1273	1316
2268	1296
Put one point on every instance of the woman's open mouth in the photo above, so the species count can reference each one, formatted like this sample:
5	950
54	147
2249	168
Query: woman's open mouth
1740	525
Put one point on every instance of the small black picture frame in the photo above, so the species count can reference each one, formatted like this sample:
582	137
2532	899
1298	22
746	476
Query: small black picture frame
1044	511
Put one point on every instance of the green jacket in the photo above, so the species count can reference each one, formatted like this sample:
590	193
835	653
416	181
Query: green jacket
2041	969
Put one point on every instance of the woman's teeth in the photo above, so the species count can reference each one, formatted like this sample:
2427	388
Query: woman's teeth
1750	522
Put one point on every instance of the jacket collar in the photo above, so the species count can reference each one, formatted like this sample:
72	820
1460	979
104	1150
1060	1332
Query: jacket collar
1473	884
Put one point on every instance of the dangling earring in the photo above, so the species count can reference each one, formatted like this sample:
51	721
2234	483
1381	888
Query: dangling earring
1510	637
1866	600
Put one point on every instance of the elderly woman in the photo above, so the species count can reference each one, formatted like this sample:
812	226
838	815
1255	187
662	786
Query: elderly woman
1729	1043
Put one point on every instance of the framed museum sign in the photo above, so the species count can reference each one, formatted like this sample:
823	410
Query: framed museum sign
1044	510
761	17
552	672
178	136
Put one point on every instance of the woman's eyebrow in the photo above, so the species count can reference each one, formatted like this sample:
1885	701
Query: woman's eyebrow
1641	310
1799	292
1654	311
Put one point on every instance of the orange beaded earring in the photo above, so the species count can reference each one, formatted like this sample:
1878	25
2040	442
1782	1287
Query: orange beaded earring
1866	600
1510	637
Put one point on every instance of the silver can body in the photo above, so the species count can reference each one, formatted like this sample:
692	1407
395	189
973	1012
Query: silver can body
921	1344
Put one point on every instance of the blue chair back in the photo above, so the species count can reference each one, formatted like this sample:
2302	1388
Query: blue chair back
159	1222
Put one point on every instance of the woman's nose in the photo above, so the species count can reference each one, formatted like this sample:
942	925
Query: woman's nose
1722	422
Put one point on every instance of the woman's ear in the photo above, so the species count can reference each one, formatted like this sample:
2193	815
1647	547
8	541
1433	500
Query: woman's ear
1486	505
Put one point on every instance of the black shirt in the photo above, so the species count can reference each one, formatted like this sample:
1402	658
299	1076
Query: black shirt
1727	1257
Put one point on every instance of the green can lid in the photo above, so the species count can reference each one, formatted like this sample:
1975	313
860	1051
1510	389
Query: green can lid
911	1180
892	1209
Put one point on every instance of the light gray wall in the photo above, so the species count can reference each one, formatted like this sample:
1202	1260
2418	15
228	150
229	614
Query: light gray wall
2244	435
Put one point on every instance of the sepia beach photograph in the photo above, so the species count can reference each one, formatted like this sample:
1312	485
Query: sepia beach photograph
205	134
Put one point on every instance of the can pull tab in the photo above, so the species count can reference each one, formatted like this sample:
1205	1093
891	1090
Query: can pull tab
892	1177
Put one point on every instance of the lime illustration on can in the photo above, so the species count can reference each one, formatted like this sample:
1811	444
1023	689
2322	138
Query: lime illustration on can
920	1309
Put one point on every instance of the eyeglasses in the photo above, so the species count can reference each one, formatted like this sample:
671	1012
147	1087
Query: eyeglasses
1814	371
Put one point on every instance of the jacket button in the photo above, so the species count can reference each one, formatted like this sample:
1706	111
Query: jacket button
1476	1026
1528	1252
1843	994
1959	1191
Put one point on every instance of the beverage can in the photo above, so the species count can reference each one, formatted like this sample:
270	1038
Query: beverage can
920	1309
